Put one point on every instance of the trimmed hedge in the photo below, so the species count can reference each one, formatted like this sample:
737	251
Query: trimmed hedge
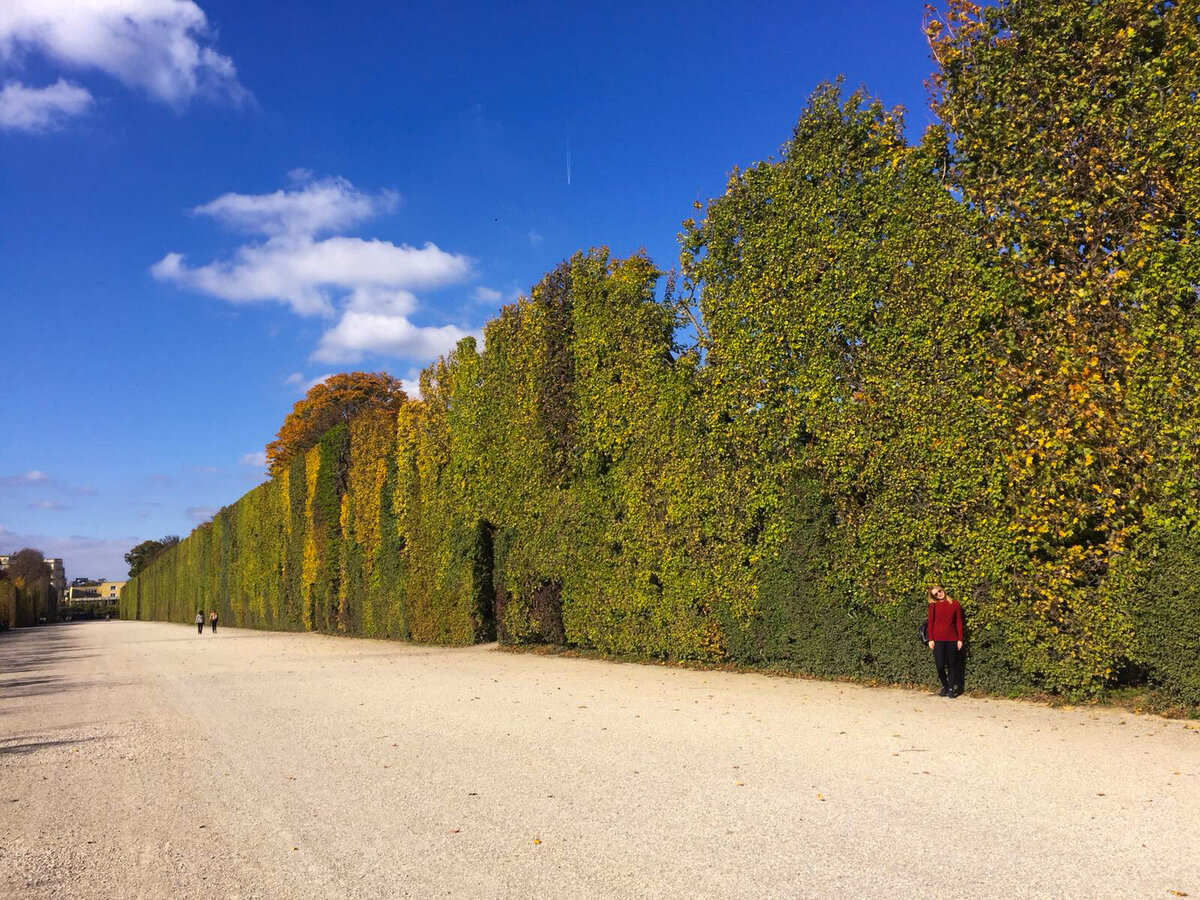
22	605
316	548
876	369
8	605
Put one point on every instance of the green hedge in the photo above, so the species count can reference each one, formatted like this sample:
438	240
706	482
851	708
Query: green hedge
22	605
291	555
874	370
8	605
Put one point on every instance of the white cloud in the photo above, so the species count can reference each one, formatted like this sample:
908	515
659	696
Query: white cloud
382	301
304	385
257	458
307	275
330	204
358	333
48	505
369	282
412	384
162	47
24	108
486	295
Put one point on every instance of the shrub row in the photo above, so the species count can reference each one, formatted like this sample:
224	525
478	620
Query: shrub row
8	604
879	366
22	605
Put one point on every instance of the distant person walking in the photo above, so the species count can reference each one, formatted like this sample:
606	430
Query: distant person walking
212	620
945	632
199	622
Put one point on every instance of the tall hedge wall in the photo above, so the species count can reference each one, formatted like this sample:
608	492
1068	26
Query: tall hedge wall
879	366
8	605
23	604
316	548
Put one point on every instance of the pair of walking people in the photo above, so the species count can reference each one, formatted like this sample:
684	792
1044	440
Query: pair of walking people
944	633
212	620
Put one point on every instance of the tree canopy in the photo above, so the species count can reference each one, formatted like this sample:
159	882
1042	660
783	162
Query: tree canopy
145	552
28	565
336	400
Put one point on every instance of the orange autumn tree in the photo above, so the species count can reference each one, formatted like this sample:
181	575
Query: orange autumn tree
337	399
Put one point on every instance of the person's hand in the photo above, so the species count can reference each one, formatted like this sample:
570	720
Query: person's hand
960	645
931	645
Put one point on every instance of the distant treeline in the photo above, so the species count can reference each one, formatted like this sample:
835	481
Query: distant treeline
973	361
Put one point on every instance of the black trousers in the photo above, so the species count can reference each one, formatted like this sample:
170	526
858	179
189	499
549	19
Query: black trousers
214	625
945	657
200	628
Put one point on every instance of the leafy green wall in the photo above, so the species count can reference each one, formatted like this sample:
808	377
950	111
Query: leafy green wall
22	605
970	361
8	605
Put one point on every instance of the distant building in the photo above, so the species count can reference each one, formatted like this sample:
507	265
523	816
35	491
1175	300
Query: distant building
83	590
111	590
58	575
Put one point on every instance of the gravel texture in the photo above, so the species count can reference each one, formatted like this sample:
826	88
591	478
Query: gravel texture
141	760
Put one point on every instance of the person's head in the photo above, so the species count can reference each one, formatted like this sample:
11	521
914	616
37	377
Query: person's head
936	594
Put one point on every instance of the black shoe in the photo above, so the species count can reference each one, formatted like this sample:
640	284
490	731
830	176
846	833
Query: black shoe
953	693
944	692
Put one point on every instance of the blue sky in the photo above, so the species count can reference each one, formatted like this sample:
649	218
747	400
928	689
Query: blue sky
208	205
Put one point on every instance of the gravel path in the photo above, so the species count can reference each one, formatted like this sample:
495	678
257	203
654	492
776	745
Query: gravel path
140	760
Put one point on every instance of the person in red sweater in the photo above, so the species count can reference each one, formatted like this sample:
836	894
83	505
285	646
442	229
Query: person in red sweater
945	632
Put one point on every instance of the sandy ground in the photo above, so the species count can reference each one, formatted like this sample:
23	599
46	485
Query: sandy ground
140	760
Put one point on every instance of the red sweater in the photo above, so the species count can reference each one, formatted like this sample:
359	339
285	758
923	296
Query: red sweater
945	621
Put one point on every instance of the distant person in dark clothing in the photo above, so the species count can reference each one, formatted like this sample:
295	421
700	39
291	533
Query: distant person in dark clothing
199	622
945	632
212	620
